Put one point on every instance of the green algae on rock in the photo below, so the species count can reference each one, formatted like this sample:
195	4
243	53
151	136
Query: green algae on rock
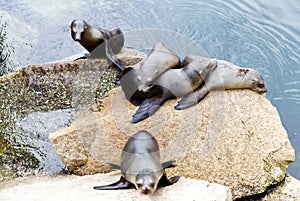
48	87
5	51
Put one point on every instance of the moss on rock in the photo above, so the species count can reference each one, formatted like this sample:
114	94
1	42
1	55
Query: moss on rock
47	87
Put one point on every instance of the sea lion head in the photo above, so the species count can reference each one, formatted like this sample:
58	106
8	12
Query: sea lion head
146	182
78	27
145	84
256	81
160	59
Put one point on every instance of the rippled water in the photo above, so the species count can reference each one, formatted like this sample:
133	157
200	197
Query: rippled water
262	34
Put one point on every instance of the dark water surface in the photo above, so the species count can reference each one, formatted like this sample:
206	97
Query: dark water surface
262	34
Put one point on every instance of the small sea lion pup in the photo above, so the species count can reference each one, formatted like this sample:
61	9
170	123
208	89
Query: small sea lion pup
99	42
158	61
225	76
140	166
173	83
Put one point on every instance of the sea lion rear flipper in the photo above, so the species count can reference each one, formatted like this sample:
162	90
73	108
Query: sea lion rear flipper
121	184
114	166
164	181
147	108
192	98
168	164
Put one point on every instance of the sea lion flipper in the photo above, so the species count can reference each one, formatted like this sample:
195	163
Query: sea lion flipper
192	98
112	57
121	184
114	166
147	108
174	179
129	87
164	181
168	164
83	55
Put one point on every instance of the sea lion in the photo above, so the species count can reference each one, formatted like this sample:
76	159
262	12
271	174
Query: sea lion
140	166
158	61
225	76
99	42
173	83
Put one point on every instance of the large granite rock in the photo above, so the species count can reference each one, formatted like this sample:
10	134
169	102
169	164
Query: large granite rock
81	188
288	190
234	138
35	98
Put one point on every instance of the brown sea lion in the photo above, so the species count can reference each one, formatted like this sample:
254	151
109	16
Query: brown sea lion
173	83
140	166
99	42
225	76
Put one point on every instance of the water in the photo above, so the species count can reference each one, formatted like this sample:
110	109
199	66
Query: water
262	34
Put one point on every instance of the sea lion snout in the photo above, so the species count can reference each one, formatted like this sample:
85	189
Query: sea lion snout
77	37
145	88
262	89
145	190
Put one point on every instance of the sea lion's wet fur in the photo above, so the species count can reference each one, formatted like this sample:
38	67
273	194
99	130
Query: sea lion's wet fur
99	42
173	83
225	76
140	166
160	59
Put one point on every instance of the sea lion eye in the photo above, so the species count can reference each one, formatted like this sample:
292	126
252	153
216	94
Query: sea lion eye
261	85
152	185
85	27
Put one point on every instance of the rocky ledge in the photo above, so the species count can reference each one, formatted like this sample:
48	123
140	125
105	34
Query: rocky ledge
81	188
234	138
50	92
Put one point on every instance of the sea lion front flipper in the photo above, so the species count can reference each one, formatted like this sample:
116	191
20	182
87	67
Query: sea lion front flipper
129	86
192	98
83	55
164	181
112	57
168	164
121	184
147	108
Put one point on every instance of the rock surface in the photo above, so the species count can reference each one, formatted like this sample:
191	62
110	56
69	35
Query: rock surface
234	138
287	191
40	88
81	188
